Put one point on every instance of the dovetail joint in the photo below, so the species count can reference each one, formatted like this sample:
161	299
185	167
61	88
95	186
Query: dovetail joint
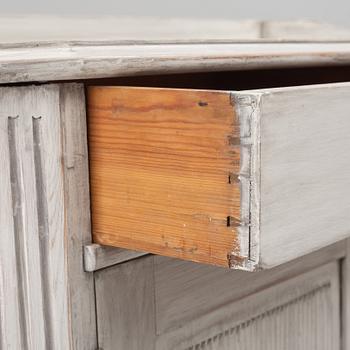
247	109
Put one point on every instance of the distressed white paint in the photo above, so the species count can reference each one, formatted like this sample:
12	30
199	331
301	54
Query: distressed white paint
247	108
59	61
185	290
53	48
77	232
345	307
125	306
305	170
302	171
30	121
300	313
38	281
167	303
9	292
43	288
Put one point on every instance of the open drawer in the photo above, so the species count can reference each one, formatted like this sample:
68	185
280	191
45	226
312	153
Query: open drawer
248	179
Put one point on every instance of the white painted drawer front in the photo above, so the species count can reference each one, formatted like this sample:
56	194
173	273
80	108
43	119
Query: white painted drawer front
304	171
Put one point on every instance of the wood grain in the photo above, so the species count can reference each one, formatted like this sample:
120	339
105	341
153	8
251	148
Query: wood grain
77	232
298	313
46	298
164	171
305	170
92	60
186	290
189	303
126	306
32	262
345	296
97	257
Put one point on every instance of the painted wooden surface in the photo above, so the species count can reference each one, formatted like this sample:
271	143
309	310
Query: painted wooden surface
186	291
165	172
345	306
285	308
77	232
47	48
300	313
305	170
97	257
92	60
126	306
40	303
33	263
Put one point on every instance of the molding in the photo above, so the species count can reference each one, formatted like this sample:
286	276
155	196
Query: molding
52	61
46	299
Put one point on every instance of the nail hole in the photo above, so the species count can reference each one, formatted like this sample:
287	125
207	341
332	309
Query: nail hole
202	104
228	221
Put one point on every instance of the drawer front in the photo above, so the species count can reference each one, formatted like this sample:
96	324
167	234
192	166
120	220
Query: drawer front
246	179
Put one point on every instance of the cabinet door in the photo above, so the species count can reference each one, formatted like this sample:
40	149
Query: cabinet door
160	303
248	179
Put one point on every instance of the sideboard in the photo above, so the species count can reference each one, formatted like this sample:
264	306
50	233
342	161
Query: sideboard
171	184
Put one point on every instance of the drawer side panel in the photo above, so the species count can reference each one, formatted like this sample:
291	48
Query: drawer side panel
165	168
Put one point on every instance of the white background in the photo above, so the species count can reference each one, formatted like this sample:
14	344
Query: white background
331	11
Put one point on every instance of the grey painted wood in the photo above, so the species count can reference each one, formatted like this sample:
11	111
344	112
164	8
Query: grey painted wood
125	305
186	291
299	313
83	60
33	229
248	111
305	170
77	216
41	223
300	178
346	298
160	303
97	257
